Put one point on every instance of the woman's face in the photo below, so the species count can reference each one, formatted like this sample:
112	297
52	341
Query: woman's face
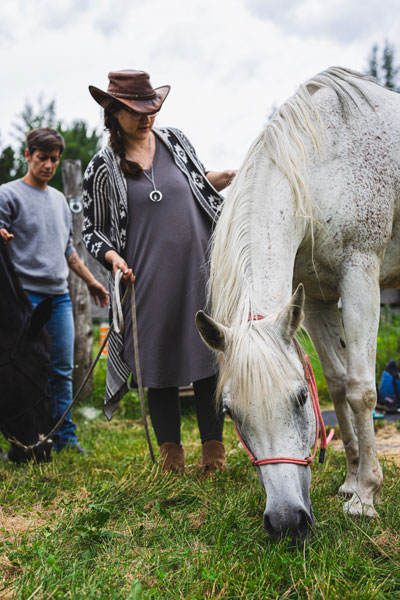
134	126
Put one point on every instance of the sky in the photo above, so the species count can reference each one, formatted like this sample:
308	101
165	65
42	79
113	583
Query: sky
228	61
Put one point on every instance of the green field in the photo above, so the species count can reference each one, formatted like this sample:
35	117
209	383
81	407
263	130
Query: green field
109	525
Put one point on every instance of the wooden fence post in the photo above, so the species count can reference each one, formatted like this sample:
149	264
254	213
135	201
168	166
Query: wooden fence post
72	184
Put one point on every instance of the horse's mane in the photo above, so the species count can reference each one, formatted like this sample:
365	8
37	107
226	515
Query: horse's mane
295	130
257	368
293	134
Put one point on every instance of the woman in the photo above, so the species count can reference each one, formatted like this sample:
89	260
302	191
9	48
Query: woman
149	209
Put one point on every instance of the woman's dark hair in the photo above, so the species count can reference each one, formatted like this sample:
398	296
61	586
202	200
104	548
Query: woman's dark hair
44	139
128	167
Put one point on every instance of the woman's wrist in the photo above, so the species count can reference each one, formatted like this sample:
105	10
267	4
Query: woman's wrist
111	256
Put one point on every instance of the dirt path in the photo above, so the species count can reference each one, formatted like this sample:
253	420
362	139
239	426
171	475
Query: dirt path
387	443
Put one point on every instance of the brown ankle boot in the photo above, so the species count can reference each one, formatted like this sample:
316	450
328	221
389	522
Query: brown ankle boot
172	457
213	456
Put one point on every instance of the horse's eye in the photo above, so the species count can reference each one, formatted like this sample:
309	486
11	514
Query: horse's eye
302	396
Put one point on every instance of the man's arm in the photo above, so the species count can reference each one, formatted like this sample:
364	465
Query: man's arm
96	289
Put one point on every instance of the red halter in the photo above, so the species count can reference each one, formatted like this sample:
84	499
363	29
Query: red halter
312	388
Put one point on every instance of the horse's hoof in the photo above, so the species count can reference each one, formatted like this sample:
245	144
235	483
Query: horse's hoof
356	507
346	489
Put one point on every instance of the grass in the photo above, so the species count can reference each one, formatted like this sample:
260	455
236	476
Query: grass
110	525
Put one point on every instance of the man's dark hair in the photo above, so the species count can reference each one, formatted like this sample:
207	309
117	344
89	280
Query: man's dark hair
44	139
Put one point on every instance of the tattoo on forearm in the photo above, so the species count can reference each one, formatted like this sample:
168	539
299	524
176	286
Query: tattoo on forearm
79	268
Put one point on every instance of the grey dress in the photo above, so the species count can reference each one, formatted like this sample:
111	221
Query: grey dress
167	250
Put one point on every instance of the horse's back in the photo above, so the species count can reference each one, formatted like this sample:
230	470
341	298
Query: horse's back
355	186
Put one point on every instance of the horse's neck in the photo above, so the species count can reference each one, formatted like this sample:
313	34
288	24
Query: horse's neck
275	233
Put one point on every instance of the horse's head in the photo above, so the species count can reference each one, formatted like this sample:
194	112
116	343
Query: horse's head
270	402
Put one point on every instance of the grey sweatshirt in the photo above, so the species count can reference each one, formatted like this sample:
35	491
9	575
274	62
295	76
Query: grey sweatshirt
42	226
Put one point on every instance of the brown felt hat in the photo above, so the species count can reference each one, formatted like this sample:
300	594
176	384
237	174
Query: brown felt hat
132	88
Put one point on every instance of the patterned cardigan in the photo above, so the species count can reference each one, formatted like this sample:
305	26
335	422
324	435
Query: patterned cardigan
105	228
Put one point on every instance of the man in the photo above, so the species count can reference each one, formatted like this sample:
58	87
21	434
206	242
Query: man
36	222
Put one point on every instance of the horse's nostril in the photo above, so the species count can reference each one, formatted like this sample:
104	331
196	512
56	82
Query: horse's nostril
296	524
275	533
304	524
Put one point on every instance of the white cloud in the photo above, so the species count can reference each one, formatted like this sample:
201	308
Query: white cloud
338	20
228	61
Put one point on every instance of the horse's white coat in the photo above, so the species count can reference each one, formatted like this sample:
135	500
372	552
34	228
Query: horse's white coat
316	202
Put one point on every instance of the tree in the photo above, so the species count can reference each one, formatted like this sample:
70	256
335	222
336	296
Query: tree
373	62
7	163
80	143
384	70
31	118
388	68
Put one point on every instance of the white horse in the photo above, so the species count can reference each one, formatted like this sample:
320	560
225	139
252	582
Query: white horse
315	206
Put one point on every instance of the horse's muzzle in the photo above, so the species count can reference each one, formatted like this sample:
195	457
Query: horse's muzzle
295	522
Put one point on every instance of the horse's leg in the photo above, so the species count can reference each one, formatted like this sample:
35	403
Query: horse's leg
322	320
360	309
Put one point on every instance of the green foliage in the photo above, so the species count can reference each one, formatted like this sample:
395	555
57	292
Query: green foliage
7	164
81	144
30	118
388	67
384	69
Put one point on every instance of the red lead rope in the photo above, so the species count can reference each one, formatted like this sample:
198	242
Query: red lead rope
312	388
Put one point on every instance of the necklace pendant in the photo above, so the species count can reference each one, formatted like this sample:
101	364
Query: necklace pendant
155	196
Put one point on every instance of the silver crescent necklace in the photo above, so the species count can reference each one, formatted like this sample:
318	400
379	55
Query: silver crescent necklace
155	195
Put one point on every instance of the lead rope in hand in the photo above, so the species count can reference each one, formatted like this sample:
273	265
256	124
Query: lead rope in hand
118	323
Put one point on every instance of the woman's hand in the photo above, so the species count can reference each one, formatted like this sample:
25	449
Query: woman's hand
220	179
5	236
118	262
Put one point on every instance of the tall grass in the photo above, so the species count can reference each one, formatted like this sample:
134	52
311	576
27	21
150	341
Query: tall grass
110	525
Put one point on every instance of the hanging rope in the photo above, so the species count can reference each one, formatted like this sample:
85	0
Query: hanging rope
118	328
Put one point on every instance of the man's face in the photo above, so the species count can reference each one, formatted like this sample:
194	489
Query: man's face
42	164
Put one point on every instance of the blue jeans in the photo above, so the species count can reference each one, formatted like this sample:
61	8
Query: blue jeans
61	329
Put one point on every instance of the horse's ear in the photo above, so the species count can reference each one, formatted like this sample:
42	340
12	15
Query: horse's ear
293	315
40	316
215	335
